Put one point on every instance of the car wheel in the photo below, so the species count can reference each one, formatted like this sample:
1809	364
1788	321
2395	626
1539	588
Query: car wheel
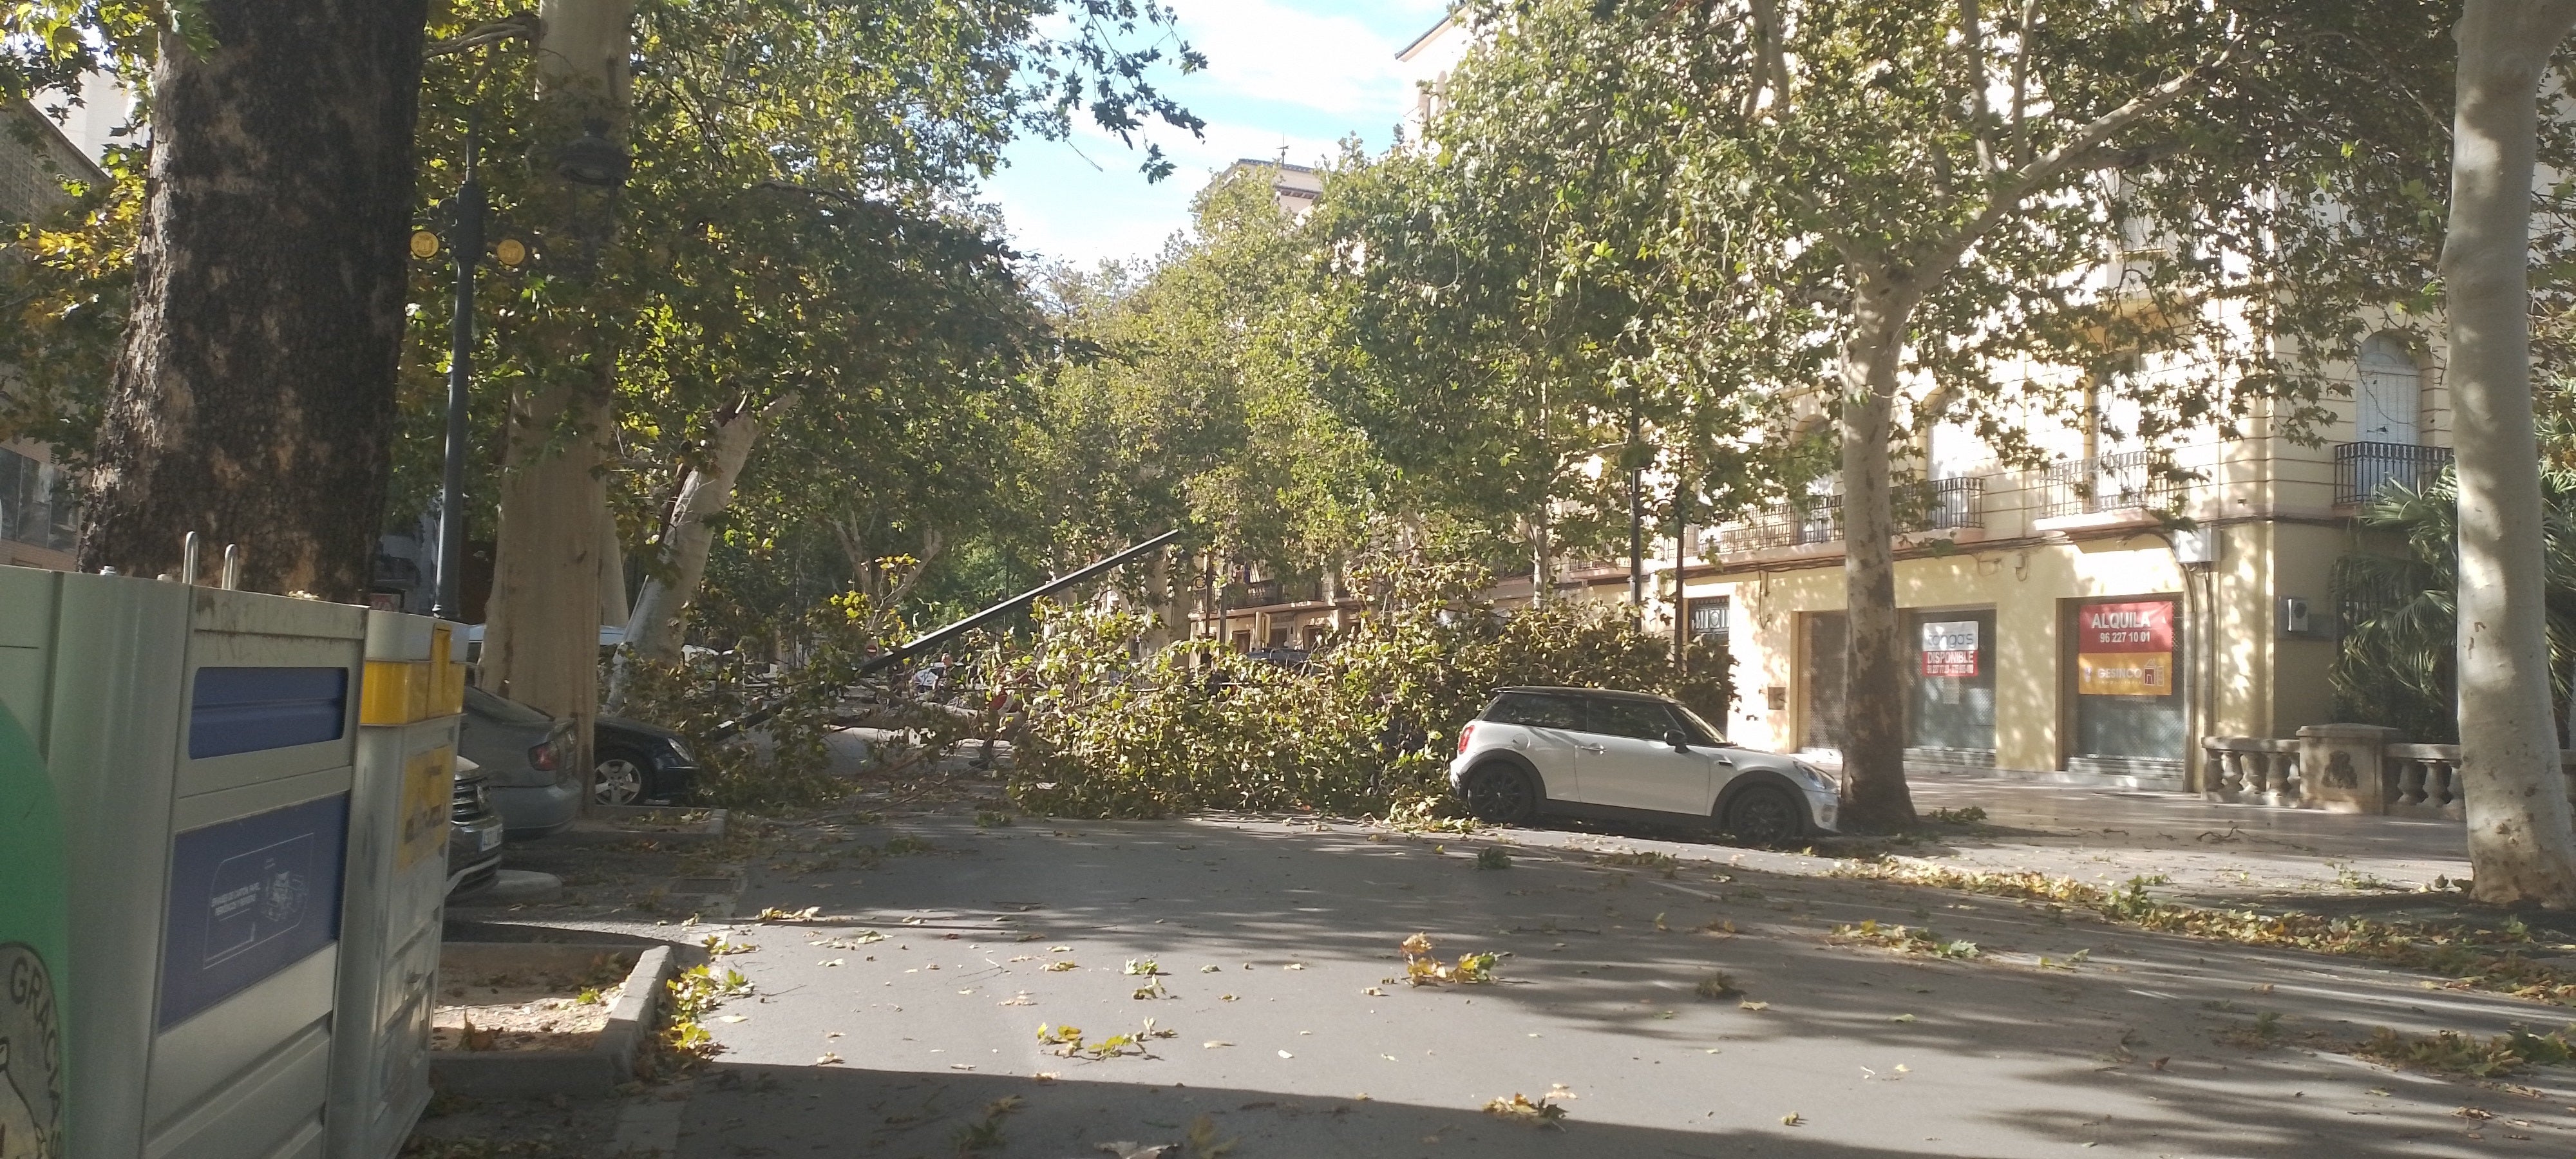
619	780
1501	794
1762	815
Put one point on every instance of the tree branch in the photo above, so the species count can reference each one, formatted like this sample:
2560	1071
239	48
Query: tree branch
517	26
2021	84
1981	117
2018	184
1770	68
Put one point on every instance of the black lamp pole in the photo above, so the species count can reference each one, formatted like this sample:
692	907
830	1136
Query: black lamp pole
466	218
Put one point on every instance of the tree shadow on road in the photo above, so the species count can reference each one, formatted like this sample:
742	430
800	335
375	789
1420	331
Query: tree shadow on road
2155	1043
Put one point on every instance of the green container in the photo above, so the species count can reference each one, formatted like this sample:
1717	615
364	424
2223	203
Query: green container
35	934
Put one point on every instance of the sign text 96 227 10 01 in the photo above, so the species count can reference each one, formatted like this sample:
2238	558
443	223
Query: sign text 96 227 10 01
2124	649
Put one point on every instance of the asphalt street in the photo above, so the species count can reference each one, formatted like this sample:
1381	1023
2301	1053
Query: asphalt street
896	1022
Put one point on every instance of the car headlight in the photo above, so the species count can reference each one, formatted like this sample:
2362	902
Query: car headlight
1813	775
680	754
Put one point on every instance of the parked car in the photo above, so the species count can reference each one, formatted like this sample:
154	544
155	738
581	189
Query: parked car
639	763
527	755
474	834
1591	752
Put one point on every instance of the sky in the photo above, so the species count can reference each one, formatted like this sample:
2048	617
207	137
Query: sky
1295	73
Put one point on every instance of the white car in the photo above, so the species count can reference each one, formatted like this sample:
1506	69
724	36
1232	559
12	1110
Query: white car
1590	752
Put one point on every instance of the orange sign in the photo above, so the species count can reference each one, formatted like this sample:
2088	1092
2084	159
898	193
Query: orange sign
2124	649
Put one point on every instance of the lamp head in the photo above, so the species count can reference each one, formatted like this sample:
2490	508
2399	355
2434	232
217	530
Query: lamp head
592	159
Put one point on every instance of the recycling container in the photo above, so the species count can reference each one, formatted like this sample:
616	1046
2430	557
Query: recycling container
201	748
412	697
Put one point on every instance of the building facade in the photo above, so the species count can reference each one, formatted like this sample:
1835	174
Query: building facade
2063	621
37	513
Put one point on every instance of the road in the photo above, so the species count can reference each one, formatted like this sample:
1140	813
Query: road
1278	943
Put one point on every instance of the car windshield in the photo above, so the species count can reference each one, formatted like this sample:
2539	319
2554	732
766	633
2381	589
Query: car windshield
1707	732
508	711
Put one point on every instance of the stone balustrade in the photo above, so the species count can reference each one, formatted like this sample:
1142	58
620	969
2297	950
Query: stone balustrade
2352	768
2252	768
2424	780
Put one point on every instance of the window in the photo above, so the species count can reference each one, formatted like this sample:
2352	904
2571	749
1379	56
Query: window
1536	710
35	503
2388	396
1709	621
1636	719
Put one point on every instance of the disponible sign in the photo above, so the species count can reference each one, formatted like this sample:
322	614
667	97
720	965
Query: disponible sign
2124	649
1950	648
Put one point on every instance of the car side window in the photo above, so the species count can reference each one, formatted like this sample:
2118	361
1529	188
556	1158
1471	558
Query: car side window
1535	710
1635	719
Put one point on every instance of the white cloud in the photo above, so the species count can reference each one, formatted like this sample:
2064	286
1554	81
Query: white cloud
1266	51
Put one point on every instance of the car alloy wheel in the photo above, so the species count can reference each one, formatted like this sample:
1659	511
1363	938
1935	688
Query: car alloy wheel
1762	815
619	781
1500	795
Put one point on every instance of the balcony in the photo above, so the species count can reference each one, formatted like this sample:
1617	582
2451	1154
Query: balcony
2137	481
2361	469
1928	505
1942	504
1265	593
1790	523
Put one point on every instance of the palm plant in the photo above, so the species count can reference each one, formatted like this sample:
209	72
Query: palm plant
2395	664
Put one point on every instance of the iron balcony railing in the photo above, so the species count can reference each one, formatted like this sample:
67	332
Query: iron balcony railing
2361	469
1264	593
1942	504
2130	481
1928	505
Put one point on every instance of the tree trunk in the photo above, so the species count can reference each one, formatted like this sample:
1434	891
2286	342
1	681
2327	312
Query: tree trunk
1875	796
654	627
1166	597
2521	848
541	646
253	399
1542	560
544	621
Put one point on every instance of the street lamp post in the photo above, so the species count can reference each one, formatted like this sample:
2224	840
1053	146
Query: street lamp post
590	160
465	218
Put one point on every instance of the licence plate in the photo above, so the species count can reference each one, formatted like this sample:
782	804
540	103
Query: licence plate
491	837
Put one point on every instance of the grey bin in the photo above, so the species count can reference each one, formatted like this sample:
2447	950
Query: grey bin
204	748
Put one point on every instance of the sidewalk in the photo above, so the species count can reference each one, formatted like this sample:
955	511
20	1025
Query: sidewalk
2208	850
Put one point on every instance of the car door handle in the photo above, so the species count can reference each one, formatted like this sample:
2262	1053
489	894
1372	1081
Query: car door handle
1594	749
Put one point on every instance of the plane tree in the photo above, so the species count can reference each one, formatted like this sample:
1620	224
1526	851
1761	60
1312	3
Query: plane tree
1930	190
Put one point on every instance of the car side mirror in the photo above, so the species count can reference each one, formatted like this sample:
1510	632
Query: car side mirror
1678	739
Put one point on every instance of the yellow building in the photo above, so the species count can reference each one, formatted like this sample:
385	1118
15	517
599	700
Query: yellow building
2057	623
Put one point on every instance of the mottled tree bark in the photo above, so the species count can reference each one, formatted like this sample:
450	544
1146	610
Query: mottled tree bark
2521	849
656	626
548	562
253	400
1874	792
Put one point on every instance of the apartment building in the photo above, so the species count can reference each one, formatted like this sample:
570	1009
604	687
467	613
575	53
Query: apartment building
2058	623
37	515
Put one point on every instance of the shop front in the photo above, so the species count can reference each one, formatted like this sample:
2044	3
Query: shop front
2124	698
1950	689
